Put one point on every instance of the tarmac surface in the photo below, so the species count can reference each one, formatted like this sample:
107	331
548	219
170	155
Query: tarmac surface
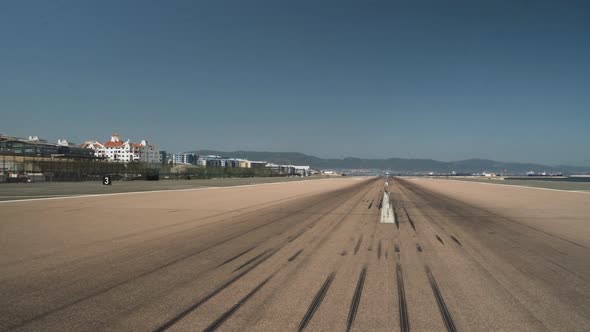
19	191
310	255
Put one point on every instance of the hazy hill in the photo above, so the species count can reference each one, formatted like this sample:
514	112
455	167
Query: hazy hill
396	164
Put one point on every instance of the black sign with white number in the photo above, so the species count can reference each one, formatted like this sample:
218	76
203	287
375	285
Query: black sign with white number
106	180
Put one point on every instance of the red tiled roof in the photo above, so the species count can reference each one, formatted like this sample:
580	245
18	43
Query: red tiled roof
112	144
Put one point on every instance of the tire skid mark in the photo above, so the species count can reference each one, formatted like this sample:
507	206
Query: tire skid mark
356	299
379	250
292	258
440	240
410	219
237	256
455	239
358	244
396	246
219	321
419	247
370	205
298	234
404	320
317	301
207	297
444	311
252	259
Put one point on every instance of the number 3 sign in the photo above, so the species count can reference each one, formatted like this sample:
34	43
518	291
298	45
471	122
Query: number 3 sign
106	180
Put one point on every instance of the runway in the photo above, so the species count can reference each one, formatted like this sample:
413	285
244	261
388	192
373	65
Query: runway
300	256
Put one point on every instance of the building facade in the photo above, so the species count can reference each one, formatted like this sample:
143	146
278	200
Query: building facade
116	150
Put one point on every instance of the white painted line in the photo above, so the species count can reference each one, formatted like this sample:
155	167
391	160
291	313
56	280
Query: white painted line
387	215
515	185
152	191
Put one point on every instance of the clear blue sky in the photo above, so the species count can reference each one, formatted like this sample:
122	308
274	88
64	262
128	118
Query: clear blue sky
505	80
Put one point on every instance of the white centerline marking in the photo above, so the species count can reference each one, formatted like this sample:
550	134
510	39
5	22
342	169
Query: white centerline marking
387	215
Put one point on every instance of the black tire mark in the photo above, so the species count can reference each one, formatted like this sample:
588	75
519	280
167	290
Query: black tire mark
237	256
419	247
395	218
317	300
251	260
358	244
410	219
404	320
379	250
194	306
343	253
292	258
298	234
386	254
396	246
370	205
217	323
440	240
444	311
455	239
356	299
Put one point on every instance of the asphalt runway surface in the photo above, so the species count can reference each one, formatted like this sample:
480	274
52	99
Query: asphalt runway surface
300	256
20	191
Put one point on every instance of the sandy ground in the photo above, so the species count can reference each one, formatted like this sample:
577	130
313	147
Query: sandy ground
299	256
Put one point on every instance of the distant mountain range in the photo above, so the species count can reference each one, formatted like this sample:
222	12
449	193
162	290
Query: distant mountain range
397	164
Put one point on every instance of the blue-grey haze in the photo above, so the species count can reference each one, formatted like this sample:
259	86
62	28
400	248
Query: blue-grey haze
448	80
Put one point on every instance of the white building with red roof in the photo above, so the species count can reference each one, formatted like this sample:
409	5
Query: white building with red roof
117	150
